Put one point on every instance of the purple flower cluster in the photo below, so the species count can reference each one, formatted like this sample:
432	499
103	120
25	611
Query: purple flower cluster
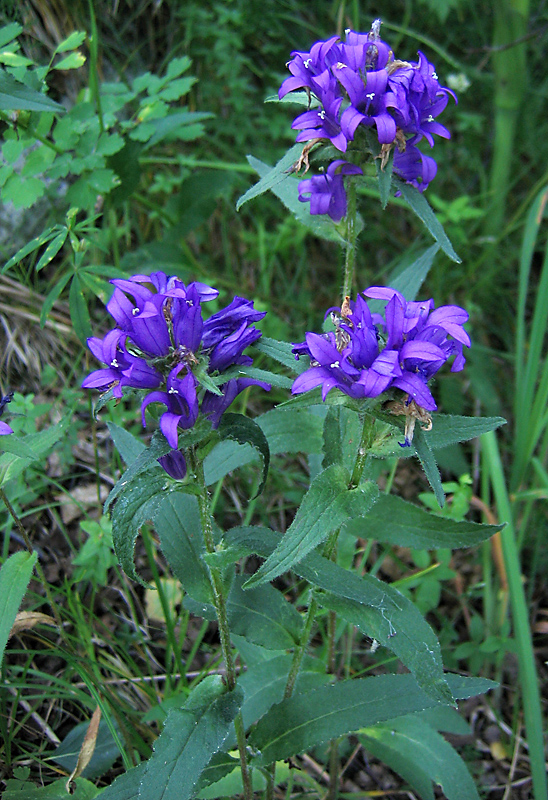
161	343
359	83
368	354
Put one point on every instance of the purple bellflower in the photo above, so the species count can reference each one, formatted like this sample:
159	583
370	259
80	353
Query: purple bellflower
326	192
163	345
369	353
359	83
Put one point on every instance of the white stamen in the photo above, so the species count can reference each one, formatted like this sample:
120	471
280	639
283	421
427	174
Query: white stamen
371	95
347	31
321	114
307	62
434	75
114	363
171	390
136	311
340	65
334	365
430	118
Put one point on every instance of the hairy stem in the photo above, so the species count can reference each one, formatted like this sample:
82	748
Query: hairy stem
219	601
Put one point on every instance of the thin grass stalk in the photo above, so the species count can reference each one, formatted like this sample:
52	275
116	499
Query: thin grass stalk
511	19
520	618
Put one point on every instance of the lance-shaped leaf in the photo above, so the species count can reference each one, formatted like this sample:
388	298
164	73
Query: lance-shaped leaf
422	209
134	506
378	609
307	720
191	736
272	175
429	465
281	352
420	755
14	579
176	519
126	786
395	521
449	429
32	447
325	507
342	430
245	431
128	445
16	96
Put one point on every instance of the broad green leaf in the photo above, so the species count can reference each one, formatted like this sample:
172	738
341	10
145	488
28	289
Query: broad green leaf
245	431
292	431
394	520
10	32
224	458
325	507
82	789
449	429
274	175
16	96
126	786
281	381
264	684
134	506
220	765
11	59
281	352
79	312
10	443
73	41
411	742
342	432
422	209
126	443
263	616
377	608
410	280
176	520
191	736
104	755
22	192
15	575
307	720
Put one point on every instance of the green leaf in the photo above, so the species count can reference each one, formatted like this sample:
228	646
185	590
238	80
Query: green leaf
79	312
307	720
281	352
341	436
264	684
410	280
16	96
281	381
10	443
426	457
176	520
15	575
263	616
73	61
184	748
395	521
174	123
224	458
325	507
285	187
34	244
39	444
384	177
449	429
24	790
378	609
51	250
104	755
22	192
411	742
420	206
273	175
10	32
73	41
52	296
125	787
292	430
126	443
245	431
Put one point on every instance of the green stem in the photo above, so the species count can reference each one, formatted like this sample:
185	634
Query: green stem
351	233
219	601
368	433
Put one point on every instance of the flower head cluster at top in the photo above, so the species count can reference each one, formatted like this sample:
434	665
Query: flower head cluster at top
162	343
359	83
368	354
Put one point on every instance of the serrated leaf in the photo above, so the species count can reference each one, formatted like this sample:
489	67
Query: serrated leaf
411	741
273	378
429	465
174	123
10	443
15	575
379	609
191	736
325	507
449	429
22	192
307	720
272	175
16	96
418	203
281	352
286	189
176	520
245	431
291	430
398	522
126	443
263	616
